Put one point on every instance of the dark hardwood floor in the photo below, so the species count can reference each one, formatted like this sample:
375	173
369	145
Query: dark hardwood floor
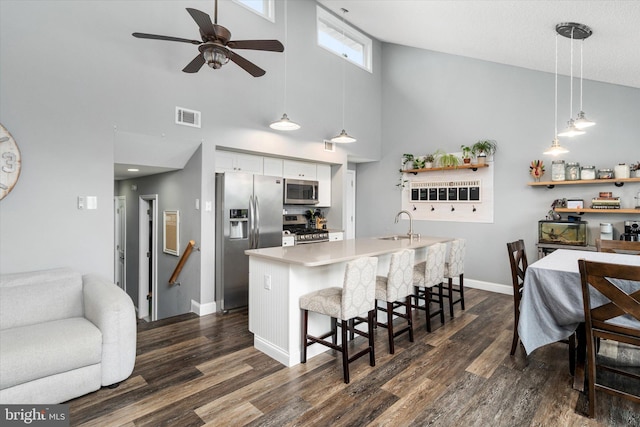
193	371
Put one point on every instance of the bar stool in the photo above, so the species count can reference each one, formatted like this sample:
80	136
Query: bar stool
395	291
426	275
454	266
355	299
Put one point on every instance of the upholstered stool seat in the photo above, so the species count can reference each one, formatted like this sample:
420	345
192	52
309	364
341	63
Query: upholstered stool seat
395	291
355	299
426	275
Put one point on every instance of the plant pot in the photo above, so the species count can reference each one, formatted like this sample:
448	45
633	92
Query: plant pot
466	160
428	165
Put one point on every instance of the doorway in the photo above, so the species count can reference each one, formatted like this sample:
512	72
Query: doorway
351	205
120	241
148	257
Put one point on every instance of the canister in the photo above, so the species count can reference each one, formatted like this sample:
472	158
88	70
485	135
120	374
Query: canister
605	173
557	170
622	171
572	171
588	172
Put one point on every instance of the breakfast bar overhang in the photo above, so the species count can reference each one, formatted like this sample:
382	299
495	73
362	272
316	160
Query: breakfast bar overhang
278	276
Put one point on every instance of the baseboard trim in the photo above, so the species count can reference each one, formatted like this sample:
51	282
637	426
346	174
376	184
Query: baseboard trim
488	286
203	309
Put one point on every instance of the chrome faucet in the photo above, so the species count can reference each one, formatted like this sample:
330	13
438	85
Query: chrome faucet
410	233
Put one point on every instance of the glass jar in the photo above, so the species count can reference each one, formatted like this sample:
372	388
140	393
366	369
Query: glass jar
572	171
605	173
557	170
588	172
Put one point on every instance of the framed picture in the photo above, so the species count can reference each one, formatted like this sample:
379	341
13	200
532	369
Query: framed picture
171	235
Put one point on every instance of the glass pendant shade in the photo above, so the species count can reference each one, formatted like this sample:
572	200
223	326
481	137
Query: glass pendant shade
343	138
571	130
582	122
215	57
556	148
284	124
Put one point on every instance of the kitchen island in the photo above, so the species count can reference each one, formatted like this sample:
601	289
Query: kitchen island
279	276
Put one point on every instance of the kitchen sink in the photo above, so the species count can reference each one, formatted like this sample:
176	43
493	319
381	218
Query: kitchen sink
395	237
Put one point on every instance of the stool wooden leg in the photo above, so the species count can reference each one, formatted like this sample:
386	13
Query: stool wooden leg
372	354
428	310
390	327
451	297
462	291
334	330
305	320
409	318
345	351
441	303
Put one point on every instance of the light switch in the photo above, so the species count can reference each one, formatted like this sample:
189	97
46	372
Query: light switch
208	206
197	204
80	202
92	202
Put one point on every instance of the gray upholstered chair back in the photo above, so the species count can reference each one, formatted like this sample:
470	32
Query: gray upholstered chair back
400	277
434	265
359	289
455	261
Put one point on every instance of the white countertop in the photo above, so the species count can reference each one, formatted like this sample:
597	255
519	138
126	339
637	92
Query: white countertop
315	254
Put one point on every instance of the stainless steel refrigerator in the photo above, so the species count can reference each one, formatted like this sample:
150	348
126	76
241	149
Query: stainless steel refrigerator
248	216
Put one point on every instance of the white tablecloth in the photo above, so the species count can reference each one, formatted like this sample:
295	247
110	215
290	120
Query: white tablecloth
551	307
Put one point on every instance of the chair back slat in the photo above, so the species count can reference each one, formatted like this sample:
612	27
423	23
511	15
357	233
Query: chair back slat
359	289
618	246
519	264
400	277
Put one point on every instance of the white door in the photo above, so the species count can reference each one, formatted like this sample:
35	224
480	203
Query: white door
350	229
120	241
148	257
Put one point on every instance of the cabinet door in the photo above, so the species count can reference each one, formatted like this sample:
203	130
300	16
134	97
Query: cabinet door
336	235
225	161
299	170
272	166
249	163
323	174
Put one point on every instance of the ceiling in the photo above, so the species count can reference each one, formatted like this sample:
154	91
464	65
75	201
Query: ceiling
519	33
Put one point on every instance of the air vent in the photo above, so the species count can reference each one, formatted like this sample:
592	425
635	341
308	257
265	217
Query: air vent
329	146
188	117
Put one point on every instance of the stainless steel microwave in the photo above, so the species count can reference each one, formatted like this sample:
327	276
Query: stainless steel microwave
300	192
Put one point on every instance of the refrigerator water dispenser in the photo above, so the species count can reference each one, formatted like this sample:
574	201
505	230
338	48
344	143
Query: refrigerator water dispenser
238	222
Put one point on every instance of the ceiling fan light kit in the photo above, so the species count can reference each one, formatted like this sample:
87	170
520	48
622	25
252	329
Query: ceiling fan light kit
216	43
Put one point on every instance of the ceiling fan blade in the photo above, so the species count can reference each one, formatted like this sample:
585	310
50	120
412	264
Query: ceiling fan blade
248	66
270	45
204	22
168	38
195	65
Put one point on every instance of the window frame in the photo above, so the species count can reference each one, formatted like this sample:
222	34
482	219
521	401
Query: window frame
350	32
270	7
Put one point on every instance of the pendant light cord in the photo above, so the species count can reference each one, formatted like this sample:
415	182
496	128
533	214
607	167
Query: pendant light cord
581	46
285	57
344	56
555	135
571	85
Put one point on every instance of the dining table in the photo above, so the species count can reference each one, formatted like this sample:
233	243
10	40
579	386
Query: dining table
551	308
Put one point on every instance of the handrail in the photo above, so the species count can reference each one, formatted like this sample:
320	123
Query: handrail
183	260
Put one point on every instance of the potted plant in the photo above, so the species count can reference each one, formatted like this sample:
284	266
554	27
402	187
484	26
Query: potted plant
428	160
466	153
484	148
419	162
408	161
448	160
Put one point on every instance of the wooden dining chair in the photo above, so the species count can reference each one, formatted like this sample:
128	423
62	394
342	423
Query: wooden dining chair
605	321
618	246
519	264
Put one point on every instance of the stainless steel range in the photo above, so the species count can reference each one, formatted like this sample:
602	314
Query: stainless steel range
298	225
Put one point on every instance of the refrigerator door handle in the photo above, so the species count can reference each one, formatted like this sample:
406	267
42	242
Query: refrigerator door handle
257	223
251	223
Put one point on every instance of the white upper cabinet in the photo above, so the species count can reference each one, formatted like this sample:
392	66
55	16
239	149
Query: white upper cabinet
227	161
323	175
272	166
299	170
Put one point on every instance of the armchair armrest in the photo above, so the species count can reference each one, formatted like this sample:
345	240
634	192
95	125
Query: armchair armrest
111	310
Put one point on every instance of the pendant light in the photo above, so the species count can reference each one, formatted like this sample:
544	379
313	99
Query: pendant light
573	31
343	137
285	123
582	122
556	148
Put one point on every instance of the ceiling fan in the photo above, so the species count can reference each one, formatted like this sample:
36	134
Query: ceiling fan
215	44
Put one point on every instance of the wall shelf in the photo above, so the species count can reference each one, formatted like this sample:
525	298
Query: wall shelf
617	182
581	211
450	168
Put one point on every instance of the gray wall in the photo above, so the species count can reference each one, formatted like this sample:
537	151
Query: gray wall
71	72
176	191
434	100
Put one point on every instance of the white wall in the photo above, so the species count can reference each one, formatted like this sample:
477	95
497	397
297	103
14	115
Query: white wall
433	100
